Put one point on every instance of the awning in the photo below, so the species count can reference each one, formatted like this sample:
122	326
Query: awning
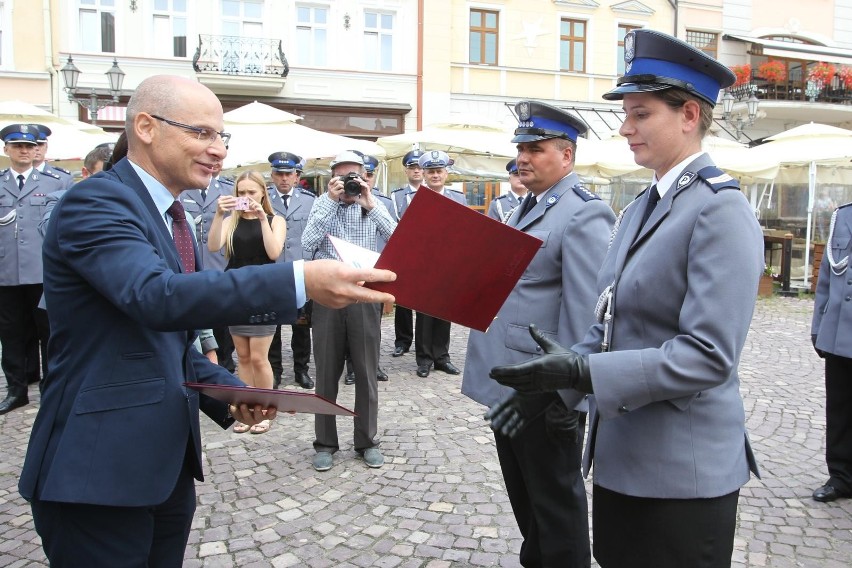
790	50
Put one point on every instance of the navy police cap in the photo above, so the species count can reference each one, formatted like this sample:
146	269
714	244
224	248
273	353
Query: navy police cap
43	133
26	133
434	159
541	121
512	166
656	61
410	159
284	162
370	163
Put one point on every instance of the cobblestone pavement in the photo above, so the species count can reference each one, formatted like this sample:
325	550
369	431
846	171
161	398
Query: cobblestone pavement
439	500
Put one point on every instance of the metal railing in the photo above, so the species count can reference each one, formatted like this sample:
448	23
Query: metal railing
236	55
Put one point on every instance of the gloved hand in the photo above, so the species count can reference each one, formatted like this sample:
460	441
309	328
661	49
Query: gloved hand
819	352
558	368
511	414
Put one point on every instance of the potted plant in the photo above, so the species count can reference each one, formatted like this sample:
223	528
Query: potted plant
743	74
772	70
766	285
822	73
845	76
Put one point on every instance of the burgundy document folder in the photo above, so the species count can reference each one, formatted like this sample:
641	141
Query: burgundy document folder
284	400
452	262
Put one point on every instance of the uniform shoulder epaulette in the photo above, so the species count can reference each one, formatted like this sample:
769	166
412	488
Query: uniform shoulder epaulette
226	180
504	196
717	179
304	191
400	189
584	193
58	169
457	191
51	174
3	171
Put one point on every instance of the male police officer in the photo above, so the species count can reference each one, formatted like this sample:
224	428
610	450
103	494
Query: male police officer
23	190
200	206
403	318
501	207
431	334
292	202
541	463
41	165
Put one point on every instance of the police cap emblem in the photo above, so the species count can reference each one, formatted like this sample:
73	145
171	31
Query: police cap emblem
524	111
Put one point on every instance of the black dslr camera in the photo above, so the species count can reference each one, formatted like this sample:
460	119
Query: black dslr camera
351	184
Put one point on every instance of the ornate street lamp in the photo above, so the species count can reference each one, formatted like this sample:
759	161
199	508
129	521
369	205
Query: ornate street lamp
738	122
92	101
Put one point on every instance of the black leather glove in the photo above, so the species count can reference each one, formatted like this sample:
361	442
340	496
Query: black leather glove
819	352
511	414
558	368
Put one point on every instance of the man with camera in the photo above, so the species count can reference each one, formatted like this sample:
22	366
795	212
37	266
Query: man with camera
348	211
289	200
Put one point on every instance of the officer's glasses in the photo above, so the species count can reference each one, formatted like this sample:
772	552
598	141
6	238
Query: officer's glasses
206	134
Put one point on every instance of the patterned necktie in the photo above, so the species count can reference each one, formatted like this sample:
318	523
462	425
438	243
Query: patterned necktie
20	182
182	237
653	199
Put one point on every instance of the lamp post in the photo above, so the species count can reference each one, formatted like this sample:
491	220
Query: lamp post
738	122
92	101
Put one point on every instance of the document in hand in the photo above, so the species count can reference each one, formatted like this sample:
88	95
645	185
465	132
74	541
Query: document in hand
284	400
452	262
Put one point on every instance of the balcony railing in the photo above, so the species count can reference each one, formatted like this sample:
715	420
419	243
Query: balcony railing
235	55
795	88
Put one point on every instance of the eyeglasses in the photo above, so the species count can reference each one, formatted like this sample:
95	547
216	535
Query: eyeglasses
206	134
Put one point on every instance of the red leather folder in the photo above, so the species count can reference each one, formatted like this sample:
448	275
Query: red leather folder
452	262
284	400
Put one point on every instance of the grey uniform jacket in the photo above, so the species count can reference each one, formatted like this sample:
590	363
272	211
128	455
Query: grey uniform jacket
21	212
557	291
296	214
388	203
201	212
832	321
65	178
667	419
502	205
402	197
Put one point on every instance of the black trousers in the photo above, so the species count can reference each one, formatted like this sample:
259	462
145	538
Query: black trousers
300	343
225	351
431	340
838	421
403	325
20	320
98	536
638	532
541	469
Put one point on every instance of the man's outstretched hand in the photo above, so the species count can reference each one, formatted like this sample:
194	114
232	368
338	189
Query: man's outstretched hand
336	285
559	368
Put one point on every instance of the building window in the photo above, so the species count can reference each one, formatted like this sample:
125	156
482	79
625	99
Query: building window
622	31
97	25
572	45
311	35
378	41
483	36
170	28
242	18
707	42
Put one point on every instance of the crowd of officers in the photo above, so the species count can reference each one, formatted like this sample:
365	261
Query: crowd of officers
643	358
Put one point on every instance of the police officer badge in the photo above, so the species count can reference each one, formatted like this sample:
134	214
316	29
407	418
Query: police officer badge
524	114
629	51
685	179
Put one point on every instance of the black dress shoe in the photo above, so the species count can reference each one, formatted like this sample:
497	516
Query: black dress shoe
13	402
350	378
399	350
423	370
304	381
276	381
447	367
381	375
828	493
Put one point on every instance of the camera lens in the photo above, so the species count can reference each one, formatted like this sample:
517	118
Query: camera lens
351	184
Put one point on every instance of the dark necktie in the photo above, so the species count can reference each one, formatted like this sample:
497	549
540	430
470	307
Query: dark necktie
653	199
204	195
182	237
20	182
285	197
527	206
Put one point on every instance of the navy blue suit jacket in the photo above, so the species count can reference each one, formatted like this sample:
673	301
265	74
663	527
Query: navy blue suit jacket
115	421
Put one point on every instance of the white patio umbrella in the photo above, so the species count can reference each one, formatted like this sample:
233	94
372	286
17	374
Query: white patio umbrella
257	130
808	152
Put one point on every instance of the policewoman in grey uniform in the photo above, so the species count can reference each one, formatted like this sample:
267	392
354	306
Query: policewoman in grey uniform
831	332
667	424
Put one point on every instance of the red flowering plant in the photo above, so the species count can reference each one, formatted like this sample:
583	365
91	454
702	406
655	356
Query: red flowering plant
772	70
822	73
845	76
743	74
